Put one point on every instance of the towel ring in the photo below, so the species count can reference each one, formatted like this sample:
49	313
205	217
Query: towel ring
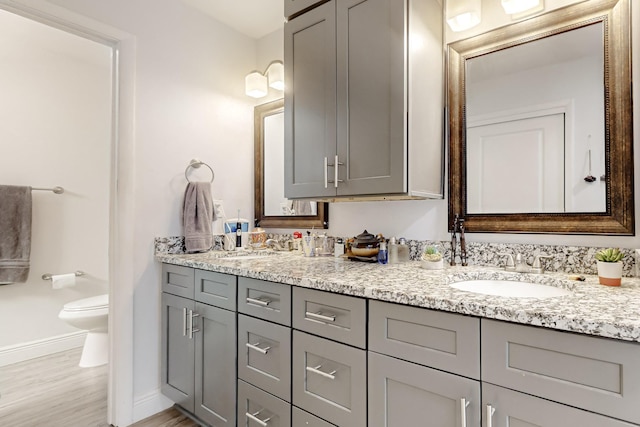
195	163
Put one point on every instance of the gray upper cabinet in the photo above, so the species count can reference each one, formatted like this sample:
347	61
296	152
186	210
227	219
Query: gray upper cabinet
363	107
294	7
310	101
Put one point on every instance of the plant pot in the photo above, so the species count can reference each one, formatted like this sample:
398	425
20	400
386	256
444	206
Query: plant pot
610	273
432	265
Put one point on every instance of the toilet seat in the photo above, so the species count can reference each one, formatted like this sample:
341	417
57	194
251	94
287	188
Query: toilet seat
88	304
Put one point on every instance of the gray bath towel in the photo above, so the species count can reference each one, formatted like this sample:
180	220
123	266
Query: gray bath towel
15	233
197	216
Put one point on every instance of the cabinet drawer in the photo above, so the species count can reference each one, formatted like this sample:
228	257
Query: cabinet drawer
257	407
178	280
266	300
301	418
264	355
338	317
446	341
405	394
597	374
216	289
293	7
329	380
510	408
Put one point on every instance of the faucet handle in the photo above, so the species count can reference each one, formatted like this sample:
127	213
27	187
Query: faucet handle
537	266
510	266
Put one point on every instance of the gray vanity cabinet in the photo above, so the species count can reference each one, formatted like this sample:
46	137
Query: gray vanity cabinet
199	344
405	394
507	408
351	80
215	366
178	351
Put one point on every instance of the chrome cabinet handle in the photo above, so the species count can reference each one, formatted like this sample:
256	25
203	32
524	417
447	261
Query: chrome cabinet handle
490	412
253	417
326	173
334	165
319	316
184	321
463	412
317	371
261	302
258	349
191	330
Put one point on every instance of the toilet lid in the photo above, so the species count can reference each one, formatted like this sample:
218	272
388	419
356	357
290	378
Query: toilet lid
91	303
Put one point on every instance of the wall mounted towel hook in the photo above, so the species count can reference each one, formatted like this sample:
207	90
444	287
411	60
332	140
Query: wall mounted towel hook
195	163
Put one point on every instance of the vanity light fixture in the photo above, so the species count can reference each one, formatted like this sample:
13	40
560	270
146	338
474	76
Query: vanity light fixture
256	82
463	14
512	7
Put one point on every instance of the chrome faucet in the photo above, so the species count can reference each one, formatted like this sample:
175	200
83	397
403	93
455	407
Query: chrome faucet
275	244
521	266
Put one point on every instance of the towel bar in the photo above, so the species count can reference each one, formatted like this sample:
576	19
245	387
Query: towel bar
47	276
56	189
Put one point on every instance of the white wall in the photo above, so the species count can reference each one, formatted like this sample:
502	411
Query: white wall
55	129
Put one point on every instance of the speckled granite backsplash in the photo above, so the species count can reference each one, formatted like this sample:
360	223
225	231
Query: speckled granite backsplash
568	259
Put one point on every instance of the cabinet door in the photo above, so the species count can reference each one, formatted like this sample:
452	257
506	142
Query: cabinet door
177	351
330	380
293	7
507	408
215	365
371	103
310	102
405	394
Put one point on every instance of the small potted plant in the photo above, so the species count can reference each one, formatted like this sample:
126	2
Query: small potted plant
609	266
432	258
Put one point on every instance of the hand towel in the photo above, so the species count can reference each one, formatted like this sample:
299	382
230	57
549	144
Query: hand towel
197	216
15	233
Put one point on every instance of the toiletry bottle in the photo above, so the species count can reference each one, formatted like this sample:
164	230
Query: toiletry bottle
393	251
403	250
338	247
382	253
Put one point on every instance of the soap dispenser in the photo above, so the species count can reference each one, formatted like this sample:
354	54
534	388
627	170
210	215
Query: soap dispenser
393	251
403	250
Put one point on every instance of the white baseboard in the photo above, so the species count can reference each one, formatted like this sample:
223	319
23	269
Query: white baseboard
32	349
150	404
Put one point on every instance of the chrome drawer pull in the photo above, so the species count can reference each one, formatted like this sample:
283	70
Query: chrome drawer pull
258	420
191	330
319	316
317	370
184	321
490	411
258	349
463	412
261	302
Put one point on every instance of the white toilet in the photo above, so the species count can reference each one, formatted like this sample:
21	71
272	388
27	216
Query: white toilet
90	314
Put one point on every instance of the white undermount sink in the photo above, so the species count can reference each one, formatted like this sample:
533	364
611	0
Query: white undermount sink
510	288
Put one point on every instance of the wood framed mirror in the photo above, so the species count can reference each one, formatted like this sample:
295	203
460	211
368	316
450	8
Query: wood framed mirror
503	161
272	209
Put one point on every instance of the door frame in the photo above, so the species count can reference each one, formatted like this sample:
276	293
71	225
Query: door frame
121	215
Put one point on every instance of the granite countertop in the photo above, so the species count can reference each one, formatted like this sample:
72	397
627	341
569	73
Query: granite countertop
591	308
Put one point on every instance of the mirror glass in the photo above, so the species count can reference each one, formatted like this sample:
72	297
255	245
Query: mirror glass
271	207
535	126
540	124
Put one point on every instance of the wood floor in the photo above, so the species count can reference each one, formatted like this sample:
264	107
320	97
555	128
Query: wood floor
53	391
